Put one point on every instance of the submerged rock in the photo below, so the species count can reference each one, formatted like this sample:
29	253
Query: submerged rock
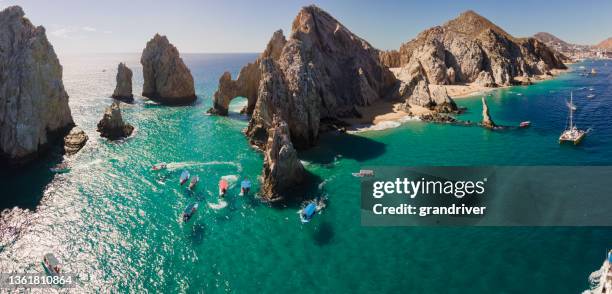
166	77
112	125
282	168
487	122
123	90
75	140
34	111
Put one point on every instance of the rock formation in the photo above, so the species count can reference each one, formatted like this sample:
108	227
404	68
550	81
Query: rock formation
247	83
112	125
123	90
74	141
282	168
34	109
321	71
487	122
166	77
475	48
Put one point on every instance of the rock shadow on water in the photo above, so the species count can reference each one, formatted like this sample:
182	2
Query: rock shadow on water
323	234
333	145
295	197
24	186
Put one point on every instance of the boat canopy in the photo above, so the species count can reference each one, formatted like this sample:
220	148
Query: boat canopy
610	256
310	210
50	258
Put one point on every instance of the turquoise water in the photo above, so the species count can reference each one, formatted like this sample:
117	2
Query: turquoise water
118	225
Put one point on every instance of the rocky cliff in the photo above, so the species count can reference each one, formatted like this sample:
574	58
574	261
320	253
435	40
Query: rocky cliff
470	49
282	168
322	70
123	90
34	108
112	126
166	77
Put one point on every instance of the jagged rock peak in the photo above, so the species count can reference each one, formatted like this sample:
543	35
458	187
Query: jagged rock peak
34	111
166	77
123	90
282	167
487	122
472	24
112	125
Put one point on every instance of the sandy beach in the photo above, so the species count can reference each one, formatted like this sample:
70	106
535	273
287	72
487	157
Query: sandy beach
385	115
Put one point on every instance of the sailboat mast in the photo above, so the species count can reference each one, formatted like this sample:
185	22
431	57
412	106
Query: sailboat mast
571	110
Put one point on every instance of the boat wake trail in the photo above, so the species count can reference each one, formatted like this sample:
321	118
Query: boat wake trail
181	165
216	206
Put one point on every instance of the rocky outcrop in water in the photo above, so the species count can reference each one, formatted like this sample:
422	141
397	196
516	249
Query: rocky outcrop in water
112	125
34	111
321	71
166	77
74	141
487	122
282	168
247	83
475	48
123	90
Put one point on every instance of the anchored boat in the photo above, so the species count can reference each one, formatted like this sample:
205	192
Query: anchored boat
52	264
364	173
190	210
572	133
194	182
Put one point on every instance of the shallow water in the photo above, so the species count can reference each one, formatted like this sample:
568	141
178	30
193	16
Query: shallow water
117	224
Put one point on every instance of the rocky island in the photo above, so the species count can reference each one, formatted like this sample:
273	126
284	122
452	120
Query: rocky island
34	111
112	125
319	73
123	90
167	79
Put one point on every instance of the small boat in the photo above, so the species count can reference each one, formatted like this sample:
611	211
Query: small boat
194	181
159	166
591	89
572	133
52	264
591	96
519	94
184	177
308	212
60	168
245	187
190	210
593	72
364	173
524	124
223	185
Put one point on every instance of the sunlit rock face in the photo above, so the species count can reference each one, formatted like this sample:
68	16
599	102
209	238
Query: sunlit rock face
34	111
167	79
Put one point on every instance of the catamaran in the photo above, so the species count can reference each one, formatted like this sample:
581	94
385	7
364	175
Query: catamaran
572	133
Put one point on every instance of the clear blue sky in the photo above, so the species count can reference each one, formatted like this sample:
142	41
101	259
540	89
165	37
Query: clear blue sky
245	26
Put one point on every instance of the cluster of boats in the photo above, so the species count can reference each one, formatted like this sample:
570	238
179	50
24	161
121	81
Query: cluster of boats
185	177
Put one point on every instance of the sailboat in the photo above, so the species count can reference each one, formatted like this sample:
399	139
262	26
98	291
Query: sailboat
572	133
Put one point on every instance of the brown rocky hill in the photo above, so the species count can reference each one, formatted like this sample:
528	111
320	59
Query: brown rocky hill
470	48
605	44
